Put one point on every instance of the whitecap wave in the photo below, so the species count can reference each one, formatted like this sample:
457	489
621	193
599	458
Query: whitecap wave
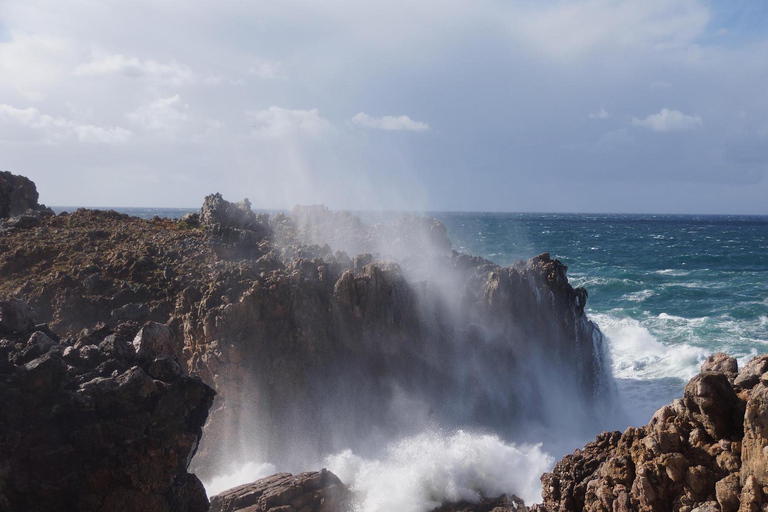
422	472
639	296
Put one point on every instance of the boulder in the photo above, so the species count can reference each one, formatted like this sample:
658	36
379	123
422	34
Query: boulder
721	363
315	491
749	376
154	339
16	316
18	195
98	432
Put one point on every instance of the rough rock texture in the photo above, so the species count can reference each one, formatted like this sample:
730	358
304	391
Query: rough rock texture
86	424
266	309
702	452
503	503
18	197
316	491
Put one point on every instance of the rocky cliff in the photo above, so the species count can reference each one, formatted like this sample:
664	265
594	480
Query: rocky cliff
312	349
104	420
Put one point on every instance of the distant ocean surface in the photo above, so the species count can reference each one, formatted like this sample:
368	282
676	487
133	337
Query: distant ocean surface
667	290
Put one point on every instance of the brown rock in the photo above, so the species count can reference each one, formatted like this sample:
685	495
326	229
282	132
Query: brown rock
721	363
316	491
712	402
754	449
728	491
749	376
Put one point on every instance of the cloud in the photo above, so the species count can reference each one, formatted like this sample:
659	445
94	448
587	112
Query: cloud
572	29
166	116
57	129
171	74
391	123
276	122
30	63
668	121
600	114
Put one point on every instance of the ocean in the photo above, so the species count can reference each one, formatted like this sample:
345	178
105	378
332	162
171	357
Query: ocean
667	290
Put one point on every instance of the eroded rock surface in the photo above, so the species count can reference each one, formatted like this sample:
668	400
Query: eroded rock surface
704	452
88	424
315	491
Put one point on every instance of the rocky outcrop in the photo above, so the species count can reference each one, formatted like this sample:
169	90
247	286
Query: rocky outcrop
18	197
89	424
315	349
315	491
704	452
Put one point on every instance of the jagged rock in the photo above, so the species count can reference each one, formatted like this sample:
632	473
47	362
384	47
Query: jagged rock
94	432
18	195
711	401
16	316
238	229
154	339
721	363
702	452
728	490
316	491
190	219
754	448
749	376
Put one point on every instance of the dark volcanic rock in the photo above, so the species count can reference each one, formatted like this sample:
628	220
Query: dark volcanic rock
18	195
89	430
15	316
316	491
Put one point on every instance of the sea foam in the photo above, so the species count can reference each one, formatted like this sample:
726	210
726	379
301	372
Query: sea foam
420	473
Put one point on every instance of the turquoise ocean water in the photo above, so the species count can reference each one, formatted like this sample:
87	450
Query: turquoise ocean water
667	290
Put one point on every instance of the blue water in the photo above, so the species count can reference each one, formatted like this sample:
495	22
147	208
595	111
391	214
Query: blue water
668	290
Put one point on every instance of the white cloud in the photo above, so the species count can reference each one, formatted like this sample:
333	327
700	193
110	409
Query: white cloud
600	114
390	123
31	63
668	121
277	122
166	116
57	129
570	29
171	74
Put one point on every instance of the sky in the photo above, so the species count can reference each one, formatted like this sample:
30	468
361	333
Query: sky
653	106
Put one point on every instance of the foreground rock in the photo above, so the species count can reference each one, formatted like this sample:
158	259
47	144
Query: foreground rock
87	424
316	491
704	452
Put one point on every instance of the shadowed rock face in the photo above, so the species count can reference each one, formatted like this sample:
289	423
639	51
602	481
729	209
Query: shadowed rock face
323	352
18	196
705	451
86	424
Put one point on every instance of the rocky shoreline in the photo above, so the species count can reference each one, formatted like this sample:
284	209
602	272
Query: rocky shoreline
106	402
